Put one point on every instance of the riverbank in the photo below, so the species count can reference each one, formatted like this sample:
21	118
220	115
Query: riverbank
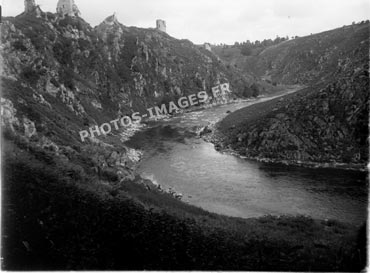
283	131
212	135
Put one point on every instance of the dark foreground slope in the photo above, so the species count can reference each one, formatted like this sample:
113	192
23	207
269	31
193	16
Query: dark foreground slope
56	217
325	123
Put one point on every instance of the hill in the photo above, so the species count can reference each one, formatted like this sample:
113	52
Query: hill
302	60
325	124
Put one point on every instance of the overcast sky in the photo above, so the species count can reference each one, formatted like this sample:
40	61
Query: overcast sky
219	21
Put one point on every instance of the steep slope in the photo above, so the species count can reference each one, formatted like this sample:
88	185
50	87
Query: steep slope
327	122
61	76
111	63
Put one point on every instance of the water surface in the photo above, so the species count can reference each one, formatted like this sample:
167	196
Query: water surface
226	184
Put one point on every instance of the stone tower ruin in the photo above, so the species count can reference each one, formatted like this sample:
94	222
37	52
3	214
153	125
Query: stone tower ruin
67	7
161	25
29	6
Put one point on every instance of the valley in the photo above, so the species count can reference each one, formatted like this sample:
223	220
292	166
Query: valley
269	160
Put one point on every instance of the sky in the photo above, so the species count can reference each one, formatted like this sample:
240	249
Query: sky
219	21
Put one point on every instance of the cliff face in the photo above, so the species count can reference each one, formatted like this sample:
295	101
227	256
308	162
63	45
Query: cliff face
327	122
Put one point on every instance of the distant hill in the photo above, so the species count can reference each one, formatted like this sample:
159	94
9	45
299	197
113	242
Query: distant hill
304	60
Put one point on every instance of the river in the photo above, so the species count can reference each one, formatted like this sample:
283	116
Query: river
222	183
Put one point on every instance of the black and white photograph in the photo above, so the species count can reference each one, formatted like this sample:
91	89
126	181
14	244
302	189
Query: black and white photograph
184	135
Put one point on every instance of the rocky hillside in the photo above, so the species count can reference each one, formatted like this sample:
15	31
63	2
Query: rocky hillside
325	123
61	76
110	68
304	60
